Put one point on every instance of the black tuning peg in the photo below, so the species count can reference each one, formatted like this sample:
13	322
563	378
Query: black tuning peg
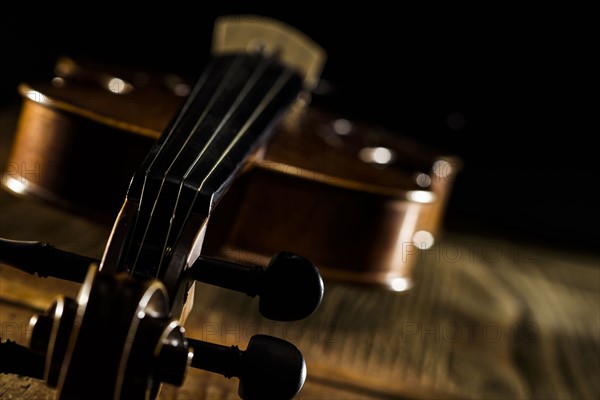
42	258
290	288
270	368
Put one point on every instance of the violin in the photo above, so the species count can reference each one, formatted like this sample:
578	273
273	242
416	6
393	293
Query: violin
129	314
242	149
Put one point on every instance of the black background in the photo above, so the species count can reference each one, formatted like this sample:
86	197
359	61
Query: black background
518	76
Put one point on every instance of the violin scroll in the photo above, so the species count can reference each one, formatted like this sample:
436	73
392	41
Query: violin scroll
142	341
144	346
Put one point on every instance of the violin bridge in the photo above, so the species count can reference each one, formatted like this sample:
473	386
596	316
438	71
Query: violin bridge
251	33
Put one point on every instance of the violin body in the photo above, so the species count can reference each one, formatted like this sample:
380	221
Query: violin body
358	200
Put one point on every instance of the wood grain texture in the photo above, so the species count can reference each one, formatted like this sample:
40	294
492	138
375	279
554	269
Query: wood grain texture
487	319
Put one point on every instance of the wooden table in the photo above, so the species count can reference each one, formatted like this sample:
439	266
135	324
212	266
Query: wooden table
487	319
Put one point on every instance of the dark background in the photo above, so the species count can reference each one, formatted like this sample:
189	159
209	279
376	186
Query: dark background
516	75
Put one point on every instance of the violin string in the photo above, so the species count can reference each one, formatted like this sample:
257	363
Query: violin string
246	89
233	69
283	78
199	85
197	88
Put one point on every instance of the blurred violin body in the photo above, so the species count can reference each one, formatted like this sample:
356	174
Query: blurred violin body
356	199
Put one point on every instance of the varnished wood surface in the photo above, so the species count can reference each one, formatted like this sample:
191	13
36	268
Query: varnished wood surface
358	210
487	319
